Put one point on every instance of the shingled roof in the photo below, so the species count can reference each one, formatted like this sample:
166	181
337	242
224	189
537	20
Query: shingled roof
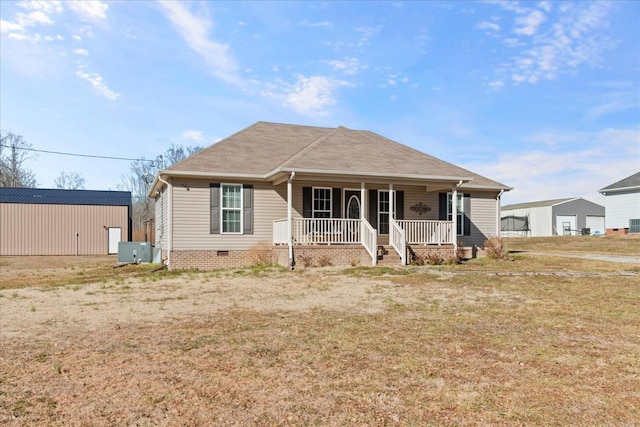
629	183
264	150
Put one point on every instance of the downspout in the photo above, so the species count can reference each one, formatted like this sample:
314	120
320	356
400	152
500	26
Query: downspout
292	262
499	219
454	216
169	219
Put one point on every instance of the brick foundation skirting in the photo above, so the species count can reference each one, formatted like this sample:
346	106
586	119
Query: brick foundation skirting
304	255
616	231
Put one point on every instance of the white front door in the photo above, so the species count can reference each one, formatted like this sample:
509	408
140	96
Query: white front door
115	234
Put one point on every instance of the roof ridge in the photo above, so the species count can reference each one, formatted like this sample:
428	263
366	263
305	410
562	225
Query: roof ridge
310	147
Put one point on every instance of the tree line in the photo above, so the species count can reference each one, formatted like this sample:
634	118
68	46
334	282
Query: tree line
15	152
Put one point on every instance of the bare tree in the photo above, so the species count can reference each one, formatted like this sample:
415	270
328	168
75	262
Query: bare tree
141	177
14	152
70	181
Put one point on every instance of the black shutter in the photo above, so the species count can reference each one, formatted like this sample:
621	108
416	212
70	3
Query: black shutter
373	208
307	202
466	205
214	190
336	206
400	205
247	209
442	206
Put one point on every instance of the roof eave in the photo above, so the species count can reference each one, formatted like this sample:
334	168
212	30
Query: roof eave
616	190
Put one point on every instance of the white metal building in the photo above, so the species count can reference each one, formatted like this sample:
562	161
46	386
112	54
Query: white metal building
622	201
552	218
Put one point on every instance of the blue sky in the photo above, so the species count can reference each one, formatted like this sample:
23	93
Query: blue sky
542	96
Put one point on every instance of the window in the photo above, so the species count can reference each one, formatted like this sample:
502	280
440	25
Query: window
322	203
383	212
460	212
231	208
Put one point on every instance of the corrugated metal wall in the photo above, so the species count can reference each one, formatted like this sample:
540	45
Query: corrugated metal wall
40	229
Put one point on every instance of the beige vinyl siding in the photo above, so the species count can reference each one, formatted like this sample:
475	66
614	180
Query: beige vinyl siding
191	216
484	215
42	229
416	195
162	218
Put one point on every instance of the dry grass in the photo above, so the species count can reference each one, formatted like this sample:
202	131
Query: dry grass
619	245
330	346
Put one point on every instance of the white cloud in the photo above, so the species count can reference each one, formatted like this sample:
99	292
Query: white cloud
311	95
489	26
82	52
98	84
192	135
528	25
366	33
89	9
316	24
575	164
496	84
348	65
551	48
47	6
194	29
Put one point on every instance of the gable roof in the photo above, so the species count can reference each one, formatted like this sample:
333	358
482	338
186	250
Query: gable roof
64	197
629	183
538	204
271	150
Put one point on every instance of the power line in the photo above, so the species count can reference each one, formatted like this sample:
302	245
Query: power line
94	156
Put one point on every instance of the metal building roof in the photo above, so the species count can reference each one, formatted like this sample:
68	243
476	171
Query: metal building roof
64	197
539	204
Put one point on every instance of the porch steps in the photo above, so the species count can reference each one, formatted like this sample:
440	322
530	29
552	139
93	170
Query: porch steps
387	255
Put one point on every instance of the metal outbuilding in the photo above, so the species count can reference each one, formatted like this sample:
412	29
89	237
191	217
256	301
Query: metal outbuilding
36	221
552	218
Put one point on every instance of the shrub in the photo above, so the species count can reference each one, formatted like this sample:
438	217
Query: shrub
324	261
261	254
495	248
354	262
305	260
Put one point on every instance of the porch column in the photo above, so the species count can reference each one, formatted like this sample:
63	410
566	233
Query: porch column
454	216
392	211
289	220
363	206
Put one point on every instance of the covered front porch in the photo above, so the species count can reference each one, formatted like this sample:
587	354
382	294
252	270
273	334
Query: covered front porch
344	231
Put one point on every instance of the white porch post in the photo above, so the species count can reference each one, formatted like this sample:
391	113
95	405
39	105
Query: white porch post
362	204
392	211
289	220
454	216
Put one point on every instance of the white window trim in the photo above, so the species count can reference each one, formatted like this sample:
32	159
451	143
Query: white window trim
381	212
460	219
313	202
223	209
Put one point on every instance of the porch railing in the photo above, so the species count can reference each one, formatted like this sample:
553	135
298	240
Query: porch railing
427	232
397	240
326	230
370	240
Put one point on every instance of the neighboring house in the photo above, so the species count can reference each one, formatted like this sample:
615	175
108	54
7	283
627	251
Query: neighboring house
552	218
341	195
35	221
622	200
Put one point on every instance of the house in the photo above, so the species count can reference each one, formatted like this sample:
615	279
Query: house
622	201
36	221
346	196
552	218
